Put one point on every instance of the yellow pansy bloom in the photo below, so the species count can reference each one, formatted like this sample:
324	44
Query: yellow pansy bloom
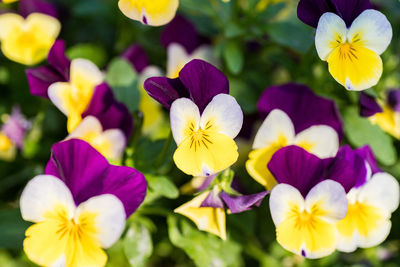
28	41
276	132
388	120
207	219
8	149
66	235
154	12
367	222
205	142
353	54
306	226
73	97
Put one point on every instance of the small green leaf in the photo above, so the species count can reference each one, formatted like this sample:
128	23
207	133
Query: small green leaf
360	132
93	52
12	229
138	245
234	57
162	185
123	80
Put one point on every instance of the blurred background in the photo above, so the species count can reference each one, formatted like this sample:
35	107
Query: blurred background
259	43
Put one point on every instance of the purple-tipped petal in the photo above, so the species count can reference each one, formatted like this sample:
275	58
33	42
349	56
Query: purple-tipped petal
238	204
368	155
16	127
304	108
203	81
87	173
111	113
136	55
58	60
393	99
348	168
27	7
181	31
39	80
212	201
368	105
295	166
310	11
165	90
206	183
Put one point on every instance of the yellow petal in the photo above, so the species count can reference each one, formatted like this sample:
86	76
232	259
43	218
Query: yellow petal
388	121
211	220
30	41
205	153
155	12
355	67
58	239
257	166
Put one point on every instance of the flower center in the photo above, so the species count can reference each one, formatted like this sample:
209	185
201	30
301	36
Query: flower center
347	51
199	137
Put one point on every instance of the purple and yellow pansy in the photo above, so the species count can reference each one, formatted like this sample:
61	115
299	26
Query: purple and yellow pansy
294	116
78	207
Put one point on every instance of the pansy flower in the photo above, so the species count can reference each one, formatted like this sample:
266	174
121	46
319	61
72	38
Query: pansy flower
305	205
371	203
78	207
353	52
154	13
27	38
184	44
208	209
80	81
384	113
294	116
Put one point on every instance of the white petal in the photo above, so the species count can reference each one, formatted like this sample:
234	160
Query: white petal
110	218
381	191
281	201
41	195
89	124
276	125
177	58
58	93
373	29
375	237
205	52
117	140
183	112
149	71
331	31
225	113
322	140
330	198
86	70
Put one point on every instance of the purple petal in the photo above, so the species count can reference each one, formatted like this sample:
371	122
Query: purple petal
212	201
368	155
27	7
238	204
111	113
136	55
39	80
87	173
304	108
165	90
206	183
203	81
16	127
393	99
181	31
368	105
58	60
348	169
295	166
310	11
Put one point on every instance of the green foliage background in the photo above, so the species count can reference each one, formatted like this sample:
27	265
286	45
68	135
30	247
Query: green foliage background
257	49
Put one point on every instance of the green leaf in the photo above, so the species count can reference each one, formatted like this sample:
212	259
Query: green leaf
123	80
293	35
234	57
162	186
93	52
138	245
360	132
12	229
246	97
203	248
